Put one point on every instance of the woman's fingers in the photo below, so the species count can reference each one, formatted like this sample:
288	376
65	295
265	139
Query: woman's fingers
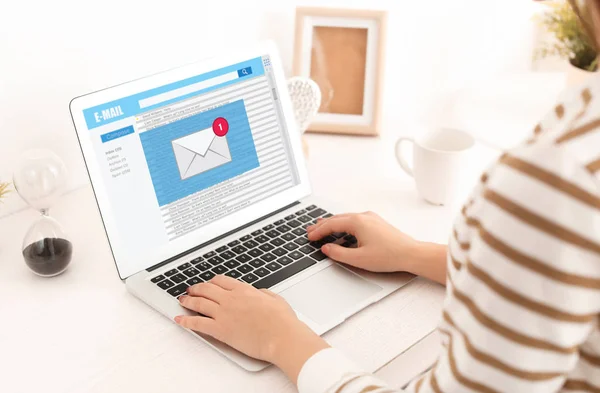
197	323
226	282
199	304
348	255
333	224
207	290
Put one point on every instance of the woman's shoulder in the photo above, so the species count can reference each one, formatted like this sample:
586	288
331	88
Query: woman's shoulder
567	141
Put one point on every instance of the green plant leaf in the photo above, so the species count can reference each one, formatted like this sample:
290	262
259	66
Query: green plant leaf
570	40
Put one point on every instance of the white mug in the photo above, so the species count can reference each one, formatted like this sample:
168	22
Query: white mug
440	160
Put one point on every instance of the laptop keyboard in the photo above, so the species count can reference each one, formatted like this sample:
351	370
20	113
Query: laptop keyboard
262	258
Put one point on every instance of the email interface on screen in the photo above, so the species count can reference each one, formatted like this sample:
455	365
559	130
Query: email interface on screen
180	156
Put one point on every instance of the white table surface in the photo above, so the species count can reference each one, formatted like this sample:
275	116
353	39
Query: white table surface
82	332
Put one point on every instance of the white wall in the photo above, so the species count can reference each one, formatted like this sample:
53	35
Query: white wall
52	51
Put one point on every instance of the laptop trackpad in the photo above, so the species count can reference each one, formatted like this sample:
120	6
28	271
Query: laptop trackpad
328	294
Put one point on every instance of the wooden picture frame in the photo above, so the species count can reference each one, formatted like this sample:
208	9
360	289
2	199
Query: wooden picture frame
343	51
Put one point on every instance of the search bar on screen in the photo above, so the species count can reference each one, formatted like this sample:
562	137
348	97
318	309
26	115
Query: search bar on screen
205	84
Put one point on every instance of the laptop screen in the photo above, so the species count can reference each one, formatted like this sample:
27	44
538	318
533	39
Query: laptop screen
177	158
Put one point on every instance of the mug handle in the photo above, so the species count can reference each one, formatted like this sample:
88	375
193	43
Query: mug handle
403	164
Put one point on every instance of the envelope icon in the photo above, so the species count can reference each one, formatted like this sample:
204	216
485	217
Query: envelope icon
198	152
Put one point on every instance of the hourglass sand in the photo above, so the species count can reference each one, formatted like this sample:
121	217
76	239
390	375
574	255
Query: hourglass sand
40	180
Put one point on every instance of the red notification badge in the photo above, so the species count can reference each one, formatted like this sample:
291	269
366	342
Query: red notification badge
220	126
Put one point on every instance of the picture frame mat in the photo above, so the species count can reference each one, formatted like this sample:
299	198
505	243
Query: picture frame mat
375	21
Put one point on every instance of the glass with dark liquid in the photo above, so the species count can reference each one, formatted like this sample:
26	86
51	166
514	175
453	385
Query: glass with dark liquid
46	250
49	256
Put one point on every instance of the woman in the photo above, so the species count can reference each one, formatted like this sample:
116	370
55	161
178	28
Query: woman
527	243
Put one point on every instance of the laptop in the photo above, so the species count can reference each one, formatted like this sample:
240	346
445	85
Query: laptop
199	171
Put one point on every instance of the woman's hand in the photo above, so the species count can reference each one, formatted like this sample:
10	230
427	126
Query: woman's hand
256	322
381	247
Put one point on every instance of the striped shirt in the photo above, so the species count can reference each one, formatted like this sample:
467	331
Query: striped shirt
523	288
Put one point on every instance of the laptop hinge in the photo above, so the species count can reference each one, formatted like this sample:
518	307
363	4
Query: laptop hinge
216	239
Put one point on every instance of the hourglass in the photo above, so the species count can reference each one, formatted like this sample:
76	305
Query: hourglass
40	180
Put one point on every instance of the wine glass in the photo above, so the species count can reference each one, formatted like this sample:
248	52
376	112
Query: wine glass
40	179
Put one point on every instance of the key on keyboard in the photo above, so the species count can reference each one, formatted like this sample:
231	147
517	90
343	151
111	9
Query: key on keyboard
266	247
233	274
227	255
294	223
166	284
262	239
178	290
283	228
261	272
243	258
290	246
279	251
285	260
232	264
299	232
219	269
288	237
177	278
203	266
277	242
157	279
239	249
307	249
206	276
268	257
215	260
295	254
319	256
273	234
250	244
257	263
273	266
191	272
301	241
249	278
255	252
317	212
285	273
